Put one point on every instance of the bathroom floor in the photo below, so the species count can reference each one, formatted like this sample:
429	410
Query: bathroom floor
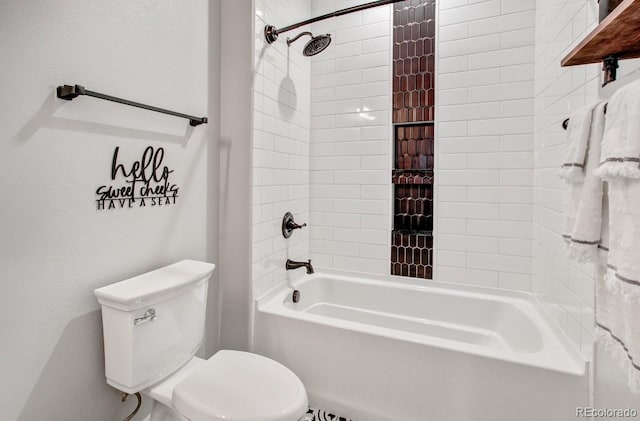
321	415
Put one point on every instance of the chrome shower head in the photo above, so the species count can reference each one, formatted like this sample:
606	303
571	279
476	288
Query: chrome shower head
315	46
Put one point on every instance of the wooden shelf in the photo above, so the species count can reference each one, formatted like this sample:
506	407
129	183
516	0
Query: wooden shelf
618	35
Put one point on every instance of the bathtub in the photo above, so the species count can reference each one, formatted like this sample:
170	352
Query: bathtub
392	349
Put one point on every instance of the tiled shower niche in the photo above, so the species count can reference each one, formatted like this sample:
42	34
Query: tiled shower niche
412	237
413	115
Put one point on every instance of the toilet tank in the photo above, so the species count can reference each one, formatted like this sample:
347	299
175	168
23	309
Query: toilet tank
153	323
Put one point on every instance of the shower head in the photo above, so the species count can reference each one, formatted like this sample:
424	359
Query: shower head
315	46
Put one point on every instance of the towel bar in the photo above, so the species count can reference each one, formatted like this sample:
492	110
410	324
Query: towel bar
70	92
565	123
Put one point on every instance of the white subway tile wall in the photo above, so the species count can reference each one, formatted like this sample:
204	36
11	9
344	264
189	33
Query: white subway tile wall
484	142
351	140
566	288
281	140
323	146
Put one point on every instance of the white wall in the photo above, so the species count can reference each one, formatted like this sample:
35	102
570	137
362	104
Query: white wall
487	159
55	247
484	127
351	140
312	148
565	287
281	133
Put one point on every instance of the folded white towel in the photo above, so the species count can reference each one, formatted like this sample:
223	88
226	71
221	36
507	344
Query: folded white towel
572	168
583	211
620	156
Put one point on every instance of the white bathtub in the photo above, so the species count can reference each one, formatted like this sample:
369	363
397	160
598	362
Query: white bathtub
387	348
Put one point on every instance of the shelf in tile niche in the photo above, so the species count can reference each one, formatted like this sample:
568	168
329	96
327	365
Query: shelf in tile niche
417	170
415	123
426	233
412	177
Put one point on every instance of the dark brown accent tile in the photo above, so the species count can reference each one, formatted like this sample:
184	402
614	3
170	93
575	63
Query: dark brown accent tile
416	260
413	101
414	148
413	55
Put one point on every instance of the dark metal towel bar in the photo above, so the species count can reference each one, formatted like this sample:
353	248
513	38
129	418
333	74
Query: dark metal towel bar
70	92
565	123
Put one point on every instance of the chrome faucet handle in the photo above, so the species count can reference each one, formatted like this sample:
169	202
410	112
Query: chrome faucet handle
289	225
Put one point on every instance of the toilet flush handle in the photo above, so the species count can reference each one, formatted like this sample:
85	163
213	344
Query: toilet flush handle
149	316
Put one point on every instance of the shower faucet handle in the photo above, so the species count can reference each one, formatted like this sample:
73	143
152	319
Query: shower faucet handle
293	226
289	225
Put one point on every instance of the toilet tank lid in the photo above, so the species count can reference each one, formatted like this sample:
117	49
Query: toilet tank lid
160	282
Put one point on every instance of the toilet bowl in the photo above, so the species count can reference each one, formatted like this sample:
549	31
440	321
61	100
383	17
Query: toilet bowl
230	386
153	324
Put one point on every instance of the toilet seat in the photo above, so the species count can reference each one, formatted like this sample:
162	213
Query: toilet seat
240	386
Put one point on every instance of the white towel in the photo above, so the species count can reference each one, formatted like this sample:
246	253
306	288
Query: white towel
572	168
617	328
619	160
621	144
618	295
583	211
618	298
623	265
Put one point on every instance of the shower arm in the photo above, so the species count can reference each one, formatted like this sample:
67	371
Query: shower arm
294	39
271	32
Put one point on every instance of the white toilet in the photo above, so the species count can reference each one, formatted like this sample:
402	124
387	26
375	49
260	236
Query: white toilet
153	325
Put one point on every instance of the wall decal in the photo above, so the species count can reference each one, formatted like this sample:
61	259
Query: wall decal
144	183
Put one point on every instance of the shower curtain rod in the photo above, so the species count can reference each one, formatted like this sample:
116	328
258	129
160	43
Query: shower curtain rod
271	32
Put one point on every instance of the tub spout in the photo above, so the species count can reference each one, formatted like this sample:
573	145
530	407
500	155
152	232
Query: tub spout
295	265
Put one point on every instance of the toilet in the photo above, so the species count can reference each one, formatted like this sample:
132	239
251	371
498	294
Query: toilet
153	325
